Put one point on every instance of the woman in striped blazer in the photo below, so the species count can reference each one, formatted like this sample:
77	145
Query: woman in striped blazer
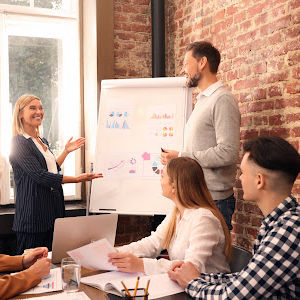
39	193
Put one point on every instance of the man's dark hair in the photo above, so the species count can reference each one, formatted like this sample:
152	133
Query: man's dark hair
276	154
203	48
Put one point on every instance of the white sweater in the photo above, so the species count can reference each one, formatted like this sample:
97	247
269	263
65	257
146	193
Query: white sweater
199	238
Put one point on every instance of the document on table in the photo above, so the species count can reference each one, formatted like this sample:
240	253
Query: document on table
160	284
94	255
50	283
65	296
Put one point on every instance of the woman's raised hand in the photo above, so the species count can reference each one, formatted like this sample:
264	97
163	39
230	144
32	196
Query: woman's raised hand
88	176
71	146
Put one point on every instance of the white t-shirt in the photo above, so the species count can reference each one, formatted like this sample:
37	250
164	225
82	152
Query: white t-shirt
49	157
199	238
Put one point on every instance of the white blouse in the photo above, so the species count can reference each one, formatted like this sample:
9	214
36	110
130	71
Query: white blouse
49	157
199	238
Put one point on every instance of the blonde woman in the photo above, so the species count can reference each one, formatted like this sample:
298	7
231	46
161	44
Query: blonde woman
195	231
39	194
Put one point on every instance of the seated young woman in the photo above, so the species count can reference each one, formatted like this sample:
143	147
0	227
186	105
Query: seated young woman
194	231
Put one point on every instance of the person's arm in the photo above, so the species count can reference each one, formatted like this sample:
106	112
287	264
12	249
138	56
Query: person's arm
70	146
11	285
150	246
129	256
81	178
22	156
203	236
274	265
226	121
9	263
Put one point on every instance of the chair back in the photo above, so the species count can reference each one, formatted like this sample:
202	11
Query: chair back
241	258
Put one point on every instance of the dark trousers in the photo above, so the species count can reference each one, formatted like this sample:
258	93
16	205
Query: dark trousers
27	240
226	207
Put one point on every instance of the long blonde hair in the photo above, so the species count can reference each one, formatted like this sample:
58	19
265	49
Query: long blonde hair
17	125
192	192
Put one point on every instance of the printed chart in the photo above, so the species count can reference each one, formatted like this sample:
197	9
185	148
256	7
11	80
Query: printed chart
161	123
152	166
121	165
50	283
119	118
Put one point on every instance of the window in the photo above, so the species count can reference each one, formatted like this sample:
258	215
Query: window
39	54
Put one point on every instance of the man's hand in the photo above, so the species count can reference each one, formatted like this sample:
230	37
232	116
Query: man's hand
167	155
126	262
183	273
41	267
32	255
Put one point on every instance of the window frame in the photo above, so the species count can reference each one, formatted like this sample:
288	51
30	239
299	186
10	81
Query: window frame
51	15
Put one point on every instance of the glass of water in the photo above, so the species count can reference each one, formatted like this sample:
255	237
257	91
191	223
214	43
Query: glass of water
71	274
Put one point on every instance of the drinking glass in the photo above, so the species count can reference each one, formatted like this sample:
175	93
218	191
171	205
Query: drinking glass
71	274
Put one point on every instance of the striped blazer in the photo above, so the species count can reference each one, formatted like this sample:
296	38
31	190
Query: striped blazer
39	195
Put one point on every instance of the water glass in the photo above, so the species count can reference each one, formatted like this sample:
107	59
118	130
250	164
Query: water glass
71	274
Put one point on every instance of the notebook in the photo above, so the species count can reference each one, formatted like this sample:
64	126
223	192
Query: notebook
74	232
160	284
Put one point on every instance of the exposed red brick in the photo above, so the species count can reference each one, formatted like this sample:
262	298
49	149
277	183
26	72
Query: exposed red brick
256	9
256	220
283	103
248	134
296	132
219	15
275	120
260	120
292	118
245	97
259	94
294	4
293	88
246	121
274	91
277	25
245	84
251	208
296	73
260	68
251	231
281	132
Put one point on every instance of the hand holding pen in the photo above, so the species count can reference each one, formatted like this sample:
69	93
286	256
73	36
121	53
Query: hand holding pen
166	155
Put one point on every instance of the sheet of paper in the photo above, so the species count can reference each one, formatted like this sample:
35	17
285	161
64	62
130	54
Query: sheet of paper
94	255
65	296
51	283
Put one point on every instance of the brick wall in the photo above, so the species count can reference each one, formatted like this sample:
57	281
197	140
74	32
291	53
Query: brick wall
260	46
132	34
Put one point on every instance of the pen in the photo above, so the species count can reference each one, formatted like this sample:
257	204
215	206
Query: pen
136	286
162	150
146	291
126	289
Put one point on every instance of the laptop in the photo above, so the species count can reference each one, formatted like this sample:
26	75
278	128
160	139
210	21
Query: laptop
74	232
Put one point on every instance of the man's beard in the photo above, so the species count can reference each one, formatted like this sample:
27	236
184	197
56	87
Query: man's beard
193	82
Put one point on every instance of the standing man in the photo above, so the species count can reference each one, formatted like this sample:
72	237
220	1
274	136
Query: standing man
212	133
269	168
